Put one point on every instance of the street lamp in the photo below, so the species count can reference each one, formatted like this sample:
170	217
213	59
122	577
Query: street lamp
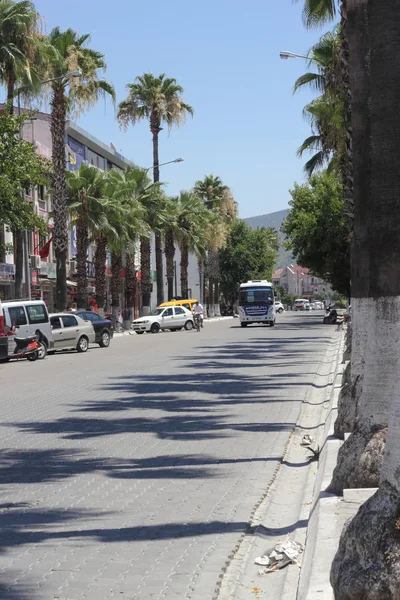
27	269
176	160
284	55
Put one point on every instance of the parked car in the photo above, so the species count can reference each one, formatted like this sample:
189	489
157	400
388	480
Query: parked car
307	306
71	332
102	326
28	317
299	304
279	307
187	303
171	317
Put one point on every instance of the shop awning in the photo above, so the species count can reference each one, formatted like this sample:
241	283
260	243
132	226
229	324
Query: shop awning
72	283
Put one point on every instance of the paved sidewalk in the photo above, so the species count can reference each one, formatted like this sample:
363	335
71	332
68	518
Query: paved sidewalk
132	472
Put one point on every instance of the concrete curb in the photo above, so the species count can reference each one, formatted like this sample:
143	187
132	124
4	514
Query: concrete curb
286	503
321	535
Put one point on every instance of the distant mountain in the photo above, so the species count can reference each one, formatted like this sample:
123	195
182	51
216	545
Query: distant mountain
274	220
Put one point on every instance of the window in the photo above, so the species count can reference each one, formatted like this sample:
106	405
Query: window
55	322
89	316
37	314
179	310
169	312
186	306
17	316
70	321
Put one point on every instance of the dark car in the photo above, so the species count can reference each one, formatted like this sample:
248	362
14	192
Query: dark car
102	327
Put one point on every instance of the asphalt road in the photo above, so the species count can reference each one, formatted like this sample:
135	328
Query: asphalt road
132	472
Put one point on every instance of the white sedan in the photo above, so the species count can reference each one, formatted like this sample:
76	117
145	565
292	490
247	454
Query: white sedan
171	317
71	332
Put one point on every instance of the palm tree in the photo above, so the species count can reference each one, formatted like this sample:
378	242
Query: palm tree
86	204
18	21
171	226
210	189
158	99
67	52
214	194
367	562
134	197
192	231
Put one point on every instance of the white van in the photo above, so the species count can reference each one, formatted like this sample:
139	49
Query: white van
27	316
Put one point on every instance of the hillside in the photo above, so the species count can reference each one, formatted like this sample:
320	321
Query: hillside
274	220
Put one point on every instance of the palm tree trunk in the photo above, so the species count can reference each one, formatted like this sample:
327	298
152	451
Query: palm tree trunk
82	242
374	529
211	297
169	257
116	266
19	261
60	233
100	269
145	258
184	268
130	283
10	92
155	129
349	471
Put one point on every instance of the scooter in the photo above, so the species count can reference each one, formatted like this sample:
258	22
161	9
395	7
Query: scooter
30	347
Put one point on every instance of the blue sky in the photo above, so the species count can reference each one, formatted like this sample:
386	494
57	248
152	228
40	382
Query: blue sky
225	53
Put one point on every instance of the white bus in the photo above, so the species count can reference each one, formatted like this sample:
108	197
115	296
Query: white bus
256	303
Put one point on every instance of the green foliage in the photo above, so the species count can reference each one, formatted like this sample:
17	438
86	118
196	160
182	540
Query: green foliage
317	230
20	170
288	299
247	254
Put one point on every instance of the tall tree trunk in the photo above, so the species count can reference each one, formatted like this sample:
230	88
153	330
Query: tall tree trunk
367	564
169	258
350	470
60	232
100	270
82	242
116	284
10	92
155	130
130	282
19	261
184	268
145	258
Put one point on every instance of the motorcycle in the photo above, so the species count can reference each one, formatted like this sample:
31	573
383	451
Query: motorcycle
331	319
31	347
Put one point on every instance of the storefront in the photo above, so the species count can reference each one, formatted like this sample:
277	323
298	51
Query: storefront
46	284
7	281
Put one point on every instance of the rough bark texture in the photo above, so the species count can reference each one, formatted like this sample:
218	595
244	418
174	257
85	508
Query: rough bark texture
184	269
155	127
350	395
116	266
100	269
82	242
130	282
145	258
367	563
169	258
19	261
359	461
60	233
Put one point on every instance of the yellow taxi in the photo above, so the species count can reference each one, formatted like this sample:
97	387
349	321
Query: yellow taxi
188	303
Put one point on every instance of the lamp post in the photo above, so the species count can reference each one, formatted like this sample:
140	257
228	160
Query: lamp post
284	55
169	162
27	270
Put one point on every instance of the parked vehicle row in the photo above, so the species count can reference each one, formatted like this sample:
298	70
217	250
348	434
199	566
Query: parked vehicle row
172	317
24	324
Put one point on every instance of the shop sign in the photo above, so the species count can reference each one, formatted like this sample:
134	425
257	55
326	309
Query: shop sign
153	275
34	278
49	270
7	272
90	269
75	154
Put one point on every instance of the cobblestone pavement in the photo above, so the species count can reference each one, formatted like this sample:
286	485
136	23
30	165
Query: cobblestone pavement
132	472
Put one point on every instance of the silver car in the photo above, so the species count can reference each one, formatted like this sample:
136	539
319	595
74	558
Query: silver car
70	332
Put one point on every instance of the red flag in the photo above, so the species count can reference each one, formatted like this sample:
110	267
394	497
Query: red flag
45	251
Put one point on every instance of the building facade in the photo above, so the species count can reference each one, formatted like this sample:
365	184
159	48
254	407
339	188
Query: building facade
299	282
